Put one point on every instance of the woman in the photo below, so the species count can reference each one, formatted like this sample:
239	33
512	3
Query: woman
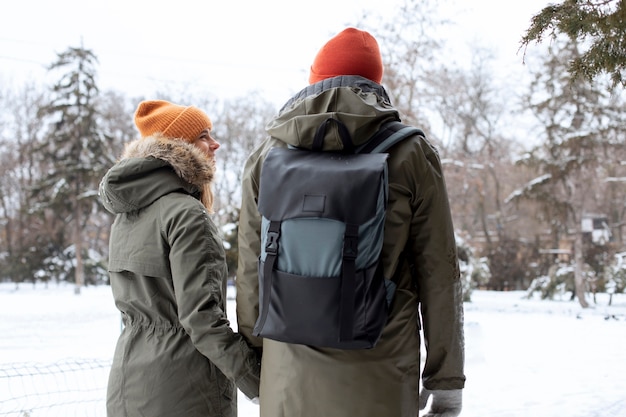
177	354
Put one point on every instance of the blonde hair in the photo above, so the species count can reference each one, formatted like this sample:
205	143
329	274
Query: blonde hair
206	197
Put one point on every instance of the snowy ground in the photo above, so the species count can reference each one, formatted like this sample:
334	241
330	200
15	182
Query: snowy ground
524	357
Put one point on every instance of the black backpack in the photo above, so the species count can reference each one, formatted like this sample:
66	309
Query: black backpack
323	213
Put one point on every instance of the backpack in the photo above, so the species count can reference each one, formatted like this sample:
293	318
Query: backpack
323	213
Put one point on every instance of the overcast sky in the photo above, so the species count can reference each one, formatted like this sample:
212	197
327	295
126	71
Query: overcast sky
225	47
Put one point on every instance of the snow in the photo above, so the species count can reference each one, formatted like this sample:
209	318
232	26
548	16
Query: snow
524	357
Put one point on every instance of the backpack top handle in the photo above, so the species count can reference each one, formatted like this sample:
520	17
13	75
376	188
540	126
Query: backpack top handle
344	135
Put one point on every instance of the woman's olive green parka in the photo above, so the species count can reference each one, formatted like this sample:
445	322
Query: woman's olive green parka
177	354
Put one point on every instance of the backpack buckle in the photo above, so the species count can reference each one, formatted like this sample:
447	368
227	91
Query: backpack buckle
271	246
350	247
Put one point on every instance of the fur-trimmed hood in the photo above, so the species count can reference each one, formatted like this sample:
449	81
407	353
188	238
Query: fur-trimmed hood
152	167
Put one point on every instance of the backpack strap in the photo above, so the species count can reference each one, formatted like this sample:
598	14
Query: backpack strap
348	281
388	135
271	250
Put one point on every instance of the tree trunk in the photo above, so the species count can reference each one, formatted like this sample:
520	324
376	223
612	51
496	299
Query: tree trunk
78	246
579	279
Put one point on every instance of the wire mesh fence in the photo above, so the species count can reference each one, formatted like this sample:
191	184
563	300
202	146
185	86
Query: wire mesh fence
67	388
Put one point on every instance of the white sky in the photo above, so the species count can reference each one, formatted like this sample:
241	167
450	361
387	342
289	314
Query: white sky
226	47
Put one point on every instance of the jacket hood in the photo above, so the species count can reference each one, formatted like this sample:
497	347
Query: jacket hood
360	104
151	168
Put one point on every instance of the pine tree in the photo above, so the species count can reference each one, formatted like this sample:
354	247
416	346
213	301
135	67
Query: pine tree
576	119
599	23
75	150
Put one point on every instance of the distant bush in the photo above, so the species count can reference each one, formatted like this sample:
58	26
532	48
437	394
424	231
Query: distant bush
475	271
559	281
615	276
61	267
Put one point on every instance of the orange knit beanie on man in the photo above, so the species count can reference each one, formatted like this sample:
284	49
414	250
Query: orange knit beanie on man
350	52
171	120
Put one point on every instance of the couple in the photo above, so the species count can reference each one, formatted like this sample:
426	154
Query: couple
177	354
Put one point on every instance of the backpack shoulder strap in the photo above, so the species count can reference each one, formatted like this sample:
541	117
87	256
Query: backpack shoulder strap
388	135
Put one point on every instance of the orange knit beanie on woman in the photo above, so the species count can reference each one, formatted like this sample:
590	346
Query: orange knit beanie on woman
175	122
350	52
171	120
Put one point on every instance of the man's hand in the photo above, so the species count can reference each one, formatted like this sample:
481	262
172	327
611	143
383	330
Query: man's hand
446	403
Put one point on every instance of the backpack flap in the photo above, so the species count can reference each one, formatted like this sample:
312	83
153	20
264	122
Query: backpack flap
314	195
298	183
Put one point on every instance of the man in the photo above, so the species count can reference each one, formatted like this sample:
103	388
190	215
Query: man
299	380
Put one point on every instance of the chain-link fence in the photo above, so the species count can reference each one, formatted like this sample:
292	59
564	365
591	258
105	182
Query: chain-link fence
65	389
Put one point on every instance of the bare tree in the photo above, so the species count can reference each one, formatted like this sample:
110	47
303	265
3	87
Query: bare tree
479	162
24	232
240	127
410	49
